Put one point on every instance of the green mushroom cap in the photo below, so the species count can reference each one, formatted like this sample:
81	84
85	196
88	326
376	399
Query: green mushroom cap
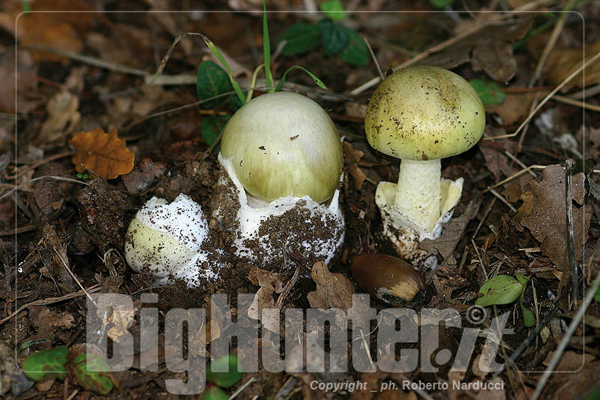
424	113
284	144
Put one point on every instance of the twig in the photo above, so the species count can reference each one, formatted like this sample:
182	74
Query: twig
570	234
480	260
586	92
90	60
546	99
52	300
447	43
515	159
241	389
523	346
502	199
485	215
381	76
19	173
576	103
58	178
566	338
558	28
510	178
16	231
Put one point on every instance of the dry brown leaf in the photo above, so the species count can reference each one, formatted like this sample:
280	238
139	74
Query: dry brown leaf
42	317
496	59
575	386
42	29
63	118
270	283
104	154
564	61
570	361
515	107
453	233
491	52
116	319
353	157
333	290
544	213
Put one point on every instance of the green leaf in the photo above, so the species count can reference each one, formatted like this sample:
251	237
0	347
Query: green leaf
522	278
214	393
490	92
528	317
357	52
92	373
300	39
597	296
441	4
224	379
211	127
49	363
211	81
502	289
315	79
335	37
333	9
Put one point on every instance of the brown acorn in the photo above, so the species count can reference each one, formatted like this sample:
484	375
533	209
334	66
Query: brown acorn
387	278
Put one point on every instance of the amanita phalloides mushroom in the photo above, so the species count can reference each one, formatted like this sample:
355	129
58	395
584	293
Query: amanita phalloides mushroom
283	158
166	239
420	115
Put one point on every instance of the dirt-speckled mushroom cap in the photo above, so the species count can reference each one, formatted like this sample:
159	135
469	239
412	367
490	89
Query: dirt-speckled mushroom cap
284	144
424	113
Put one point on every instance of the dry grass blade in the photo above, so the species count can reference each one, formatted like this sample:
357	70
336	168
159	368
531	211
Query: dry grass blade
52	300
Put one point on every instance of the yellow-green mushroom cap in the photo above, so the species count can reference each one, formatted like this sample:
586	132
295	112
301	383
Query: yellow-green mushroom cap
424	113
284	144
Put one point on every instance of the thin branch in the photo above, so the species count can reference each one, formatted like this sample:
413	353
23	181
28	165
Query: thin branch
570	234
566	338
547	98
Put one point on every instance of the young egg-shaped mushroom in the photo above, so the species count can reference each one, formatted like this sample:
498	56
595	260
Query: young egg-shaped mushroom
420	115
167	239
284	144
281	158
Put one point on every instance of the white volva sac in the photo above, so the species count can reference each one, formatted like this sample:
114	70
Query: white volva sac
421	115
166	238
252	213
282	150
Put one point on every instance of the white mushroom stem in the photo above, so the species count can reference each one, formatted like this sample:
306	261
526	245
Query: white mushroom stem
419	192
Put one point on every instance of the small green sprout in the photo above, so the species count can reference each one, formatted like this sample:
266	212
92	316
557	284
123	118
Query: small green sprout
504	289
219	380
91	372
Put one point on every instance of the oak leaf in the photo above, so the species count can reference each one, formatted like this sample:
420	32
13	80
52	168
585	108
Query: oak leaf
104	154
544	213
